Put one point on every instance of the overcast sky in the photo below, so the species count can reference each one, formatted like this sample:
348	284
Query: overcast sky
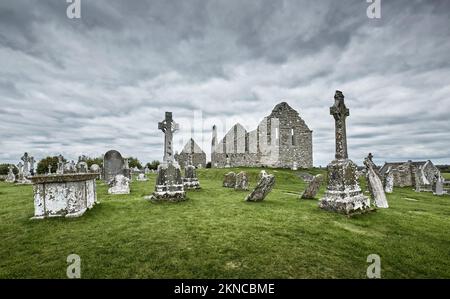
84	86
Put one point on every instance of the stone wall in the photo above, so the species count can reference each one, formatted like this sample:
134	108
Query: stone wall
280	139
191	151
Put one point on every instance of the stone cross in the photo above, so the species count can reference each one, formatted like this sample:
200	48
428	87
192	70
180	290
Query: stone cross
340	113
168	126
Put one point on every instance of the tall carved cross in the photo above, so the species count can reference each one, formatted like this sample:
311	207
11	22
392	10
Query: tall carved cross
168	126
340	113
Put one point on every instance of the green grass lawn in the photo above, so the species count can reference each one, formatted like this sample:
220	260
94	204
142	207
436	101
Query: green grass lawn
216	234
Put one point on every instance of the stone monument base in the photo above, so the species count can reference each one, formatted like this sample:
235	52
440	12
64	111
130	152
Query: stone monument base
191	183
343	193
169	184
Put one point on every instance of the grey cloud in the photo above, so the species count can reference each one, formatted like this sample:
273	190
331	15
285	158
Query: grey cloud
104	81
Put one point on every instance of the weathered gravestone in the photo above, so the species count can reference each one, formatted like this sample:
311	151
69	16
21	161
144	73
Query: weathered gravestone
70	167
11	178
312	188
264	186
82	166
306	177
113	165
190	179
60	168
241	181
126	168
32	161
21	178
294	165
229	180
375	184
438	187
343	194
95	168
389	181
120	184
68	195
141	177
26	165
169	183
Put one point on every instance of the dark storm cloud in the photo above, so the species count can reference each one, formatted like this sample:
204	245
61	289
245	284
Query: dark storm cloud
104	81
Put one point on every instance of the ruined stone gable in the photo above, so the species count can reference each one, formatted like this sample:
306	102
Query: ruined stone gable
280	140
191	151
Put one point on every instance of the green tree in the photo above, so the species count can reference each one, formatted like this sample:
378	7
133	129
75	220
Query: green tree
4	169
153	165
98	161
42	166
134	162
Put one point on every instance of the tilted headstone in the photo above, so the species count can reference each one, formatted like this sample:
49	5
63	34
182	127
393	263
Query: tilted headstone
229	180
169	183
375	184
343	194
312	188
120	184
264	186
241	181
113	165
11	178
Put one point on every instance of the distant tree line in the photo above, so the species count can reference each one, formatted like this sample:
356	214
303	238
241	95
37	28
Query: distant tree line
444	168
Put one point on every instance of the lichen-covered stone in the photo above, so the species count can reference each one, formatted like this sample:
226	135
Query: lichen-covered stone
190	179
113	164
375	184
120	184
11	177
241	181
389	182
312	188
141	178
63	195
169	182
343	193
264	186
229	180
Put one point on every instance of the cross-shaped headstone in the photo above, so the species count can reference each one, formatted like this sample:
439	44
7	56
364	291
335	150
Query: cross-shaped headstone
340	113
168	126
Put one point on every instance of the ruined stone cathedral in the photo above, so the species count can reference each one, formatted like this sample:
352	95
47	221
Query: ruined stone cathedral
281	140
